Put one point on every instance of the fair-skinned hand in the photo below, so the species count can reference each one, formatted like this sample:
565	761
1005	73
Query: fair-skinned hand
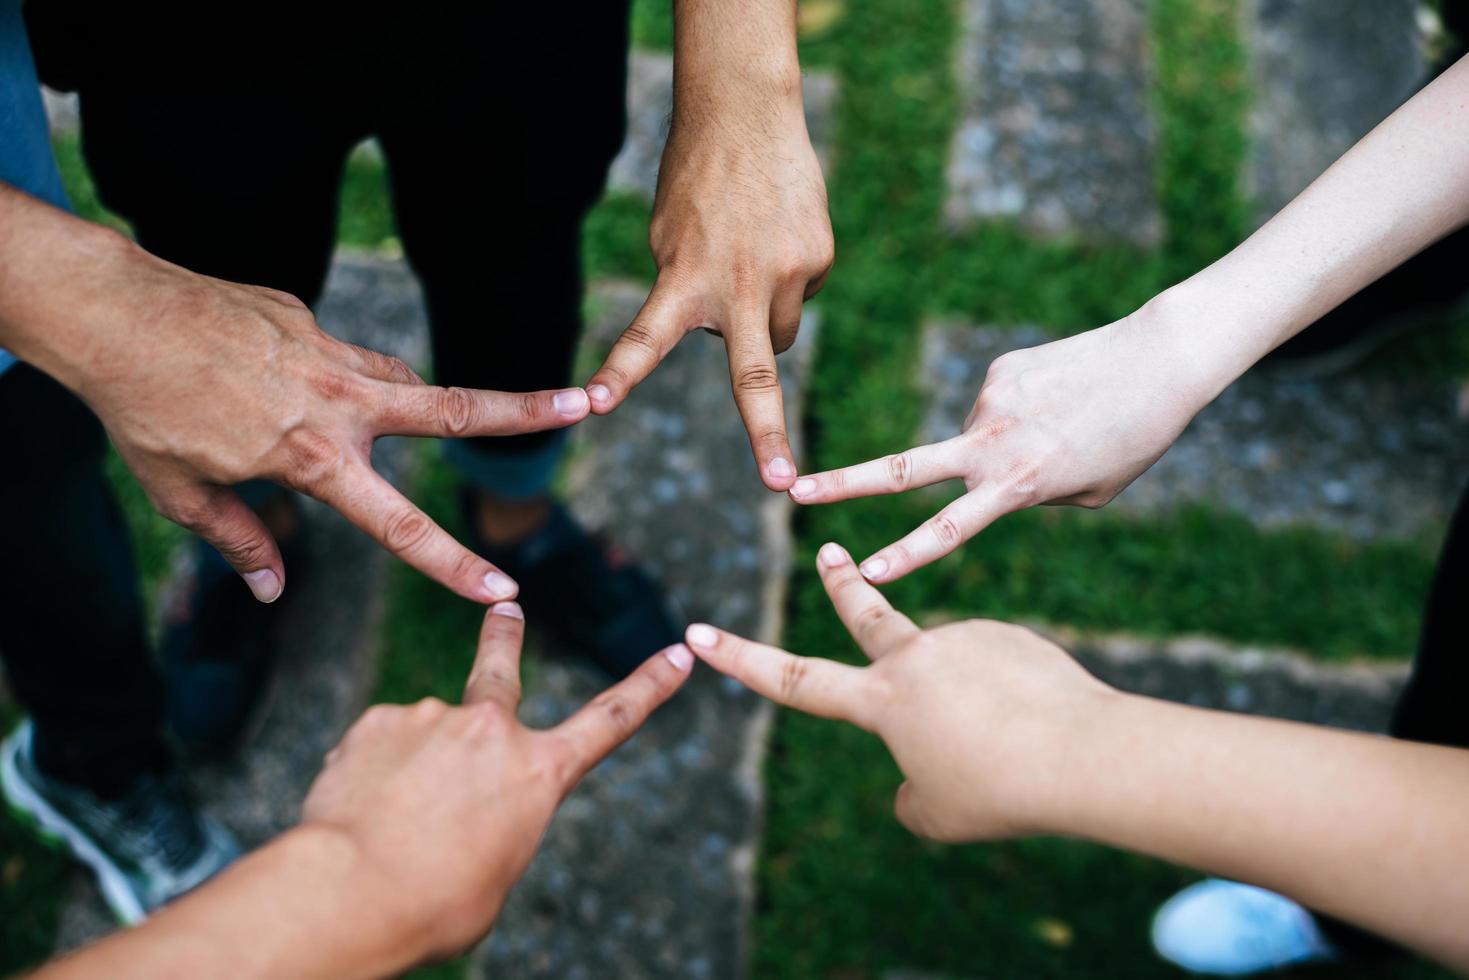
203	384
1070	422
445	806
740	229
976	714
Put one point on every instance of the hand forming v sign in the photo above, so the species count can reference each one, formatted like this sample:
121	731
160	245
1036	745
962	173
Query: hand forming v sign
1070	422
203	384
740	229
447	805
974	713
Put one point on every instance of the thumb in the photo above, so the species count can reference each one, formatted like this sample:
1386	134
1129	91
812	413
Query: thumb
220	517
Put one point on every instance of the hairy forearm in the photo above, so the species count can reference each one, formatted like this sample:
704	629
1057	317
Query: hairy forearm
1368	829
54	271
734	59
1402	187
297	907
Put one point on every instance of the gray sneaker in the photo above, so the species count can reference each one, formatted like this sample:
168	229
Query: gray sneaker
146	848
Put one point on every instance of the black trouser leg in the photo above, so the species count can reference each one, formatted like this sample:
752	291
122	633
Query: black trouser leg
71	620
490	212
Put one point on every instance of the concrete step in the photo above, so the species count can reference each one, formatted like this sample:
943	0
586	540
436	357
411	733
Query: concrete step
1056	130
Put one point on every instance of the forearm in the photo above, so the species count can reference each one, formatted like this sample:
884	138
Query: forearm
297	907
1369	829
734	59
53	270
1402	187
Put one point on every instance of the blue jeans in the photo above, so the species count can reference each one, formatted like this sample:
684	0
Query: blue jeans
26	161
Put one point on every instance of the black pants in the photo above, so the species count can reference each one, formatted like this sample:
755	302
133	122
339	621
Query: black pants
231	166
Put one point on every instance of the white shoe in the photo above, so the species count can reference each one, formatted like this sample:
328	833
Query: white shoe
1227	929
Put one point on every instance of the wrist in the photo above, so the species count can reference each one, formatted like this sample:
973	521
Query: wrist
1087	744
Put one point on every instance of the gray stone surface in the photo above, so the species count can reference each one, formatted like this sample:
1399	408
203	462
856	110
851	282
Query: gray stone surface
646	872
1325	72
1369	455
650	100
1056	131
1255	680
330	635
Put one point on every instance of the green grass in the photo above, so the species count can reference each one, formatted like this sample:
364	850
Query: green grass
845	892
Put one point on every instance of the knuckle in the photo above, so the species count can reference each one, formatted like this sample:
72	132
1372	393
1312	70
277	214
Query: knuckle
619	714
406	530
639	338
900	470
870	618
335	385
430	707
455	411
792	678
946	531
247	551
528	409
757	379
311	458
398	370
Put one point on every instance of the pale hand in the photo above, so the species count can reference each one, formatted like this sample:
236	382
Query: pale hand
1070	422
977	714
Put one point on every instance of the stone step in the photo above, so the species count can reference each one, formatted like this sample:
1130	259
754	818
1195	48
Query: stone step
650	101
1056	131
1367	455
328	656
648	870
1324	74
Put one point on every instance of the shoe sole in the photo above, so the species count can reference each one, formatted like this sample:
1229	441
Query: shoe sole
33	811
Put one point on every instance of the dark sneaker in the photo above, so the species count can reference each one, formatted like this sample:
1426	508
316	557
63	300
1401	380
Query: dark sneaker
589	595
218	651
146	848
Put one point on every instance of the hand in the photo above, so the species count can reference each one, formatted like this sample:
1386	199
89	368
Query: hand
445	806
1070	422
978	715
742	238
203	384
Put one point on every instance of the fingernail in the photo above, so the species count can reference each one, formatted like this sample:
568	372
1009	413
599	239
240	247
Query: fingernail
572	402
831	555
874	568
264	584
599	394
500	586
680	657
802	487
700	635
780	468
510	609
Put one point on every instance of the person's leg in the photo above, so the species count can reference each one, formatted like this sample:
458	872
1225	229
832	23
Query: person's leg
71	623
491	180
238	182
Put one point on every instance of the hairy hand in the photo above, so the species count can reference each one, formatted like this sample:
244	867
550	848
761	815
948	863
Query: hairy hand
445	806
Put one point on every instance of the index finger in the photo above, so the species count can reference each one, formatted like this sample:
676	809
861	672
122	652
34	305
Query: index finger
457	413
908	470
818	687
495	675
363	497
613	716
654	332
865	612
757	394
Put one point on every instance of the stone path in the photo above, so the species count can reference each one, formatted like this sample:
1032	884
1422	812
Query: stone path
1371	456
1056	131
650	100
1324	74
647	872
